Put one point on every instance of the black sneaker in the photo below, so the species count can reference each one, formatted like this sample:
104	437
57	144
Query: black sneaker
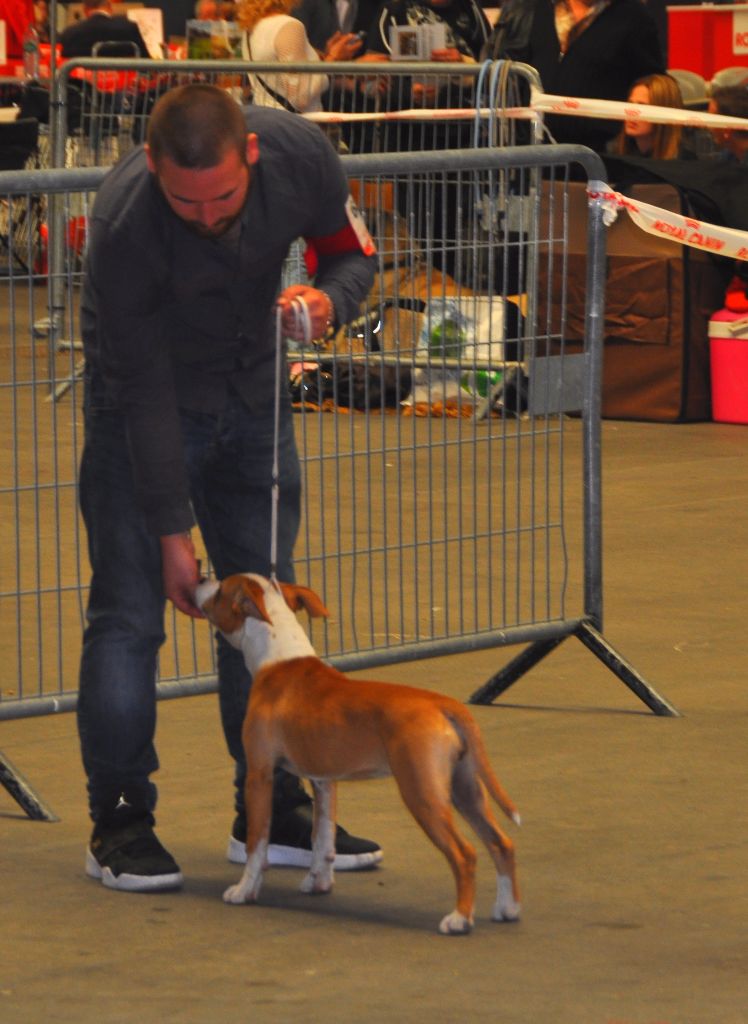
291	843
130	858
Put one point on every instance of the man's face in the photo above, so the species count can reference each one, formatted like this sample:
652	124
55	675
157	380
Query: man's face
208	199
721	136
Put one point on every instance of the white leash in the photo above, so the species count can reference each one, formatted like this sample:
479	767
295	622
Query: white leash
303	320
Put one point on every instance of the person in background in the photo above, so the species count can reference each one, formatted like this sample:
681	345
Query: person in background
323	18
466	34
580	48
467	28
658	10
643	138
211	10
272	34
732	156
41	20
186	245
732	101
99	25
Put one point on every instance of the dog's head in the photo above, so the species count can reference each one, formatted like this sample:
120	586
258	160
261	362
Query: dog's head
233	603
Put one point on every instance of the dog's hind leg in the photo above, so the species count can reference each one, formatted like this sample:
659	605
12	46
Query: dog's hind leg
471	800
320	877
426	796
258	795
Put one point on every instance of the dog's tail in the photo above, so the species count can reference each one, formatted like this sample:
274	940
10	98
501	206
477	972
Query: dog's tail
471	737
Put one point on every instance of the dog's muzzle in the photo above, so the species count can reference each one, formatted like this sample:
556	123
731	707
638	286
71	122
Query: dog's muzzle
205	590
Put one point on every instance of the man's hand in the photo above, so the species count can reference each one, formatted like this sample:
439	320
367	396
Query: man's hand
342	46
319	306
180	572
448	55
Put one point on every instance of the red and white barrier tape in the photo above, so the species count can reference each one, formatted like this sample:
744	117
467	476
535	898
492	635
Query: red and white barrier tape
688	231
419	114
697	234
543	103
611	110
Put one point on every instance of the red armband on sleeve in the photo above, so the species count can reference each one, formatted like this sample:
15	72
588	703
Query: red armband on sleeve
354	237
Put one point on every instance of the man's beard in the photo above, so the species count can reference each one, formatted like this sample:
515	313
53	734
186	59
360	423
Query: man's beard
216	230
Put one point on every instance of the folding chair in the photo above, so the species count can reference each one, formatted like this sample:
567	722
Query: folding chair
729	76
693	88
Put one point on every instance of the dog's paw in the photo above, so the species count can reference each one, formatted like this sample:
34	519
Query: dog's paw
238	894
506	908
512	912
456	924
317	883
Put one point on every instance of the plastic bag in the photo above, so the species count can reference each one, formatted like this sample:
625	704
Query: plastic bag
470	330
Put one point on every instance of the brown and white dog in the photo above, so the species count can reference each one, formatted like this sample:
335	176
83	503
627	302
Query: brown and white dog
319	724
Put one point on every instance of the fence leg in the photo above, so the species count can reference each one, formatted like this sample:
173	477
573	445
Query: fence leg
600	647
595	642
524	661
22	792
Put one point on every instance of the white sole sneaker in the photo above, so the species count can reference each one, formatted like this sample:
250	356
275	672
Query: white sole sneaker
132	883
294	857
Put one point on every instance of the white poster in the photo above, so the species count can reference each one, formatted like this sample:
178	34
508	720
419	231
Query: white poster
740	31
150	21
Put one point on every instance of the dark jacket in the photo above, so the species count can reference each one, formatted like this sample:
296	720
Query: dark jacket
79	39
467	27
620	46
172	321
320	19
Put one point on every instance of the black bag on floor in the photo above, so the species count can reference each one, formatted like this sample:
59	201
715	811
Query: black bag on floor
353	384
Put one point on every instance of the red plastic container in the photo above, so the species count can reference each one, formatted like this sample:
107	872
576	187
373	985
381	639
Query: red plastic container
728	345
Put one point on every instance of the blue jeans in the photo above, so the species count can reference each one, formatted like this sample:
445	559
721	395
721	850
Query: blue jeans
229	463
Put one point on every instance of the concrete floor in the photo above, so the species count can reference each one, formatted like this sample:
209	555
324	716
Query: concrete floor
631	856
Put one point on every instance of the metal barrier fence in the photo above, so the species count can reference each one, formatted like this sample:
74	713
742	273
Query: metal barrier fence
101	107
439	512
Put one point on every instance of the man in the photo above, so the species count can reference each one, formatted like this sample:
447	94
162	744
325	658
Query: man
99	25
731	101
186	243
466	26
732	157
323	18
587	48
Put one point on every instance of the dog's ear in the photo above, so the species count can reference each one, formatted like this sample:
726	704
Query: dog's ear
297	597
249	601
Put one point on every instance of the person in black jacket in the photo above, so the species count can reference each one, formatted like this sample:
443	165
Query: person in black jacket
323	18
179	306
99	25
582	49
467	28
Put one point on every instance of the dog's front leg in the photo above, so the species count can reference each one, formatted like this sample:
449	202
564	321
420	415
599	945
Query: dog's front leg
320	877
258	795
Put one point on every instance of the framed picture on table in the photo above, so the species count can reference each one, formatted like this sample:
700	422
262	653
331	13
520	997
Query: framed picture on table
416	42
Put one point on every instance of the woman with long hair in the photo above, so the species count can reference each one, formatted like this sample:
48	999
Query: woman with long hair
642	138
271	34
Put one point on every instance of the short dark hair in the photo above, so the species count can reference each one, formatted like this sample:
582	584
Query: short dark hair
195	126
732	100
